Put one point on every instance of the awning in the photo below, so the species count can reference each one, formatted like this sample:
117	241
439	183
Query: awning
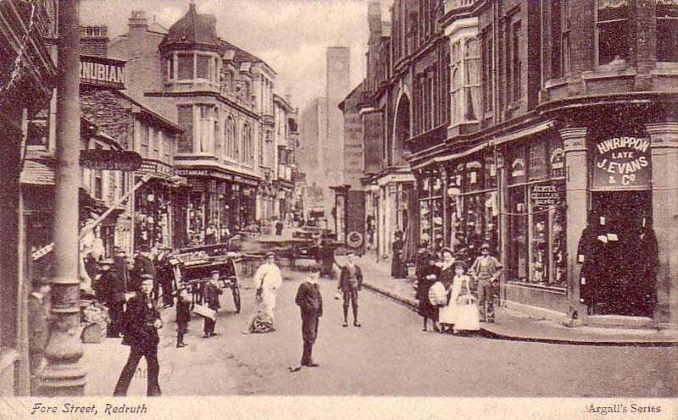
37	173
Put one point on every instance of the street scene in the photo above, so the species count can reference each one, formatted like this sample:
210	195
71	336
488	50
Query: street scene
395	198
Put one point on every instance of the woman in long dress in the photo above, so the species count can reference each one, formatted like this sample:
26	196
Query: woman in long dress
267	280
427	275
446	312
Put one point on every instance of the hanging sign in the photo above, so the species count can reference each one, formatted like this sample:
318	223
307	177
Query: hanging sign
112	160
101	71
622	163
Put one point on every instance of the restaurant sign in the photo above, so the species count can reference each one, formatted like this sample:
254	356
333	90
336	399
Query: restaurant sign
622	163
100	71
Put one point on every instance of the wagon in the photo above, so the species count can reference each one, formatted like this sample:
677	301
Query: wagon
196	264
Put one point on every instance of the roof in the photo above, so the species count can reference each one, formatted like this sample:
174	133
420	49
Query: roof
356	90
193	31
146	110
240	55
37	172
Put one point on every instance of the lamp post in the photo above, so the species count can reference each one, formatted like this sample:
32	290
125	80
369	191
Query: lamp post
64	374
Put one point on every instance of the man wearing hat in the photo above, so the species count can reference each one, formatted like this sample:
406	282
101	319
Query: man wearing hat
486	269
38	316
211	293
143	264
110	291
310	303
142	322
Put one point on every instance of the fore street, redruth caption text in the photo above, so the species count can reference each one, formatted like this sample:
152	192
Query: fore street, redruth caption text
93	409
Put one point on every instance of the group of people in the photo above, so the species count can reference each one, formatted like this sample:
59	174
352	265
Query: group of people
445	287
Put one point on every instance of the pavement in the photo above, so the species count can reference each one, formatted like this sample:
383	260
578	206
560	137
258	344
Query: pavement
514	325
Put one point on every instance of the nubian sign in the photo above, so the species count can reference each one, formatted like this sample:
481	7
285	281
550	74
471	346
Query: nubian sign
105	72
621	163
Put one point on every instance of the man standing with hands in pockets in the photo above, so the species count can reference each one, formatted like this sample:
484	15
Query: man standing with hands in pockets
310	302
350	282
487	270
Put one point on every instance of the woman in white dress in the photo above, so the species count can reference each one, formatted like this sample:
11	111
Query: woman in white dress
267	280
446	314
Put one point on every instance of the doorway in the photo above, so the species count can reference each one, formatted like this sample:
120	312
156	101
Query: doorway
626	276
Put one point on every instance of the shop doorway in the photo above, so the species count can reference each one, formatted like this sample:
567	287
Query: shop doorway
625	283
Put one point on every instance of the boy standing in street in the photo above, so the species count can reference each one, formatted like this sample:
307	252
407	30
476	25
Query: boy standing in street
310	302
183	316
212	292
350	282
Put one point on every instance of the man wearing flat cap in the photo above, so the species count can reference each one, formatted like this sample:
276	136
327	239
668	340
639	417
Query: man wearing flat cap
141	324
486	269
211	294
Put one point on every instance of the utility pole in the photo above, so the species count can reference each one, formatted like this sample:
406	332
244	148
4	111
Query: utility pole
64	374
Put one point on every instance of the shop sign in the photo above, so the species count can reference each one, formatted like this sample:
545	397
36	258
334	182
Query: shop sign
155	167
544	195
100	71
112	160
557	162
622	163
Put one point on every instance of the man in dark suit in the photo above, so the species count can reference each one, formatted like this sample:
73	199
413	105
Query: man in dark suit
143	264
142	322
310	302
111	292
350	282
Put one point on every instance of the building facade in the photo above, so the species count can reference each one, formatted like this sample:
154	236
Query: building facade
222	96
544	129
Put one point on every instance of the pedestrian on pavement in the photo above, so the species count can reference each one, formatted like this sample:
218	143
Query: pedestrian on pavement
398	269
310	303
38	317
120	267
350	282
267	280
486	269
142	322
446	312
110	291
183	316
427	275
211	292
165	277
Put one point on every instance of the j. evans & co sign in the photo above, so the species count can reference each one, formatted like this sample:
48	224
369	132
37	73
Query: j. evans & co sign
622	163
99	71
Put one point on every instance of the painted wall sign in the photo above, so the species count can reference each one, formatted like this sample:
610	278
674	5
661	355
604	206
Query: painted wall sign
622	163
544	195
100	71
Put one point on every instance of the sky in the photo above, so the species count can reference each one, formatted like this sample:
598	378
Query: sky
290	35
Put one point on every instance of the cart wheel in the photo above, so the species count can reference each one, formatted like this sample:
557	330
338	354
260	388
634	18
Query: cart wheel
236	299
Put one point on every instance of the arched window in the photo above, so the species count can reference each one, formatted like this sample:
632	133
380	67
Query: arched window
231	139
247	144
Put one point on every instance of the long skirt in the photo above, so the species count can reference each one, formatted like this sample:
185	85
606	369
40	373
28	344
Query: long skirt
447	314
426	309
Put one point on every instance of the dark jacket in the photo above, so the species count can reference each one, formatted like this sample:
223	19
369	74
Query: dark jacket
109	288
183	311
138	322
345	278
211	293
309	300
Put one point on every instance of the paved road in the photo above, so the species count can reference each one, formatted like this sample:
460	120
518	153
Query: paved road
389	355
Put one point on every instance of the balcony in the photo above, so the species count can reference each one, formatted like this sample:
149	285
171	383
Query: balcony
454	5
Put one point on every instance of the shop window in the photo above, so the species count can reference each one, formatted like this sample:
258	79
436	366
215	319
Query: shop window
185	66
667	31
612	31
537	218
